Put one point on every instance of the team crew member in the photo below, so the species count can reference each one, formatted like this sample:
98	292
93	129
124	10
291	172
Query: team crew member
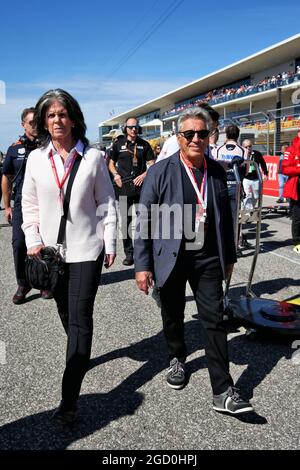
228	155
251	181
12	182
128	163
291	168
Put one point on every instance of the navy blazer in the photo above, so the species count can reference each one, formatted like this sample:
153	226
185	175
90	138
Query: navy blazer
163	185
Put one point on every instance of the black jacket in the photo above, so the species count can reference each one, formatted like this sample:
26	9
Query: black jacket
163	185
257	157
15	164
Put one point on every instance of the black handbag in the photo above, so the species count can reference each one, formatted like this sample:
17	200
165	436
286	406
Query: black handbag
43	274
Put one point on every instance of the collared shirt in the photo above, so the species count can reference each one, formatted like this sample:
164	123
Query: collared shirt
60	164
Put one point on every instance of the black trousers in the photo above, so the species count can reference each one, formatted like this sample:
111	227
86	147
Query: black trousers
232	191
126	220
295	209
206	283
75	295
19	246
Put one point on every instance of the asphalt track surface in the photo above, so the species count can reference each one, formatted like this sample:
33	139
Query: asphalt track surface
125	402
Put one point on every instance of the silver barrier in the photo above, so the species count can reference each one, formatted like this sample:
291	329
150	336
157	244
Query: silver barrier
244	215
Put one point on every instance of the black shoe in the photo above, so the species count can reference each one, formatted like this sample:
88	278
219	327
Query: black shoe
176	374
239	252
128	261
244	243
64	414
230	402
20	295
46	294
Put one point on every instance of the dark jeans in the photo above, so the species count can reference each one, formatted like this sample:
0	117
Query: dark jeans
75	295
19	246
295	209
206	284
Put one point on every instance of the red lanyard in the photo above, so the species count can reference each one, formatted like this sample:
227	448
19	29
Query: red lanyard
60	184
201	195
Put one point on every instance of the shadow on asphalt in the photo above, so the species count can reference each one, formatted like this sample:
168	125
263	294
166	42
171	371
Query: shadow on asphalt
259	289
265	287
116	276
96	411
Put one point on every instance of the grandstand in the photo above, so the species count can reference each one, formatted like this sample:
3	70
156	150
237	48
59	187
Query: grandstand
261	94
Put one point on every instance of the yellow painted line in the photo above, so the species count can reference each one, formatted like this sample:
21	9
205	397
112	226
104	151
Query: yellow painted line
294	301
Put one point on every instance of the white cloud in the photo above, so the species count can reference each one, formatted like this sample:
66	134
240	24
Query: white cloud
96	97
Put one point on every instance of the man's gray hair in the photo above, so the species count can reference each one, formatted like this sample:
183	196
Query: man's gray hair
195	113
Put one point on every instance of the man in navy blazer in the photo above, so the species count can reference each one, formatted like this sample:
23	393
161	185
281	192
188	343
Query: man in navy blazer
184	232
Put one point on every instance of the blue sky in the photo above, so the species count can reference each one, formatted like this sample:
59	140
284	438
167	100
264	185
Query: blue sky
116	55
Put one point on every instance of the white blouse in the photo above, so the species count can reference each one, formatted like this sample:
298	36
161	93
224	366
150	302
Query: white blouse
91	222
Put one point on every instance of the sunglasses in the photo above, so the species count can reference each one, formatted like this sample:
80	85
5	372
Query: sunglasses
189	135
132	127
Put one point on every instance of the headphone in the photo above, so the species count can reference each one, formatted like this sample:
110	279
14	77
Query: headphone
124	128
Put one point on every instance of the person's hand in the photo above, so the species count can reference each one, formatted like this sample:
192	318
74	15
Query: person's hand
228	271
265	177
109	260
138	181
144	280
35	251
8	214
118	180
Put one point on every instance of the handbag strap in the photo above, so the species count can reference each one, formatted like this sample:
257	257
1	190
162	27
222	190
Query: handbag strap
63	220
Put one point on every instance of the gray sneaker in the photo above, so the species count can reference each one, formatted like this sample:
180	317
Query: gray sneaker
230	402
176	374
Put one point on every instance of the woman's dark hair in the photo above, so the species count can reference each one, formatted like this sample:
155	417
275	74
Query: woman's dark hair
74	113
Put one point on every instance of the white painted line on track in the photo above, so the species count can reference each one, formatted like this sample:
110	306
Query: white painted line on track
281	256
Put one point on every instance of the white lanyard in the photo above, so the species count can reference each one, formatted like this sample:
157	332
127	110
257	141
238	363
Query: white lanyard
203	188
200	218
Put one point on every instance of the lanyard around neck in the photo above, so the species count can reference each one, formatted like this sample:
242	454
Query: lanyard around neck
60	183
202	192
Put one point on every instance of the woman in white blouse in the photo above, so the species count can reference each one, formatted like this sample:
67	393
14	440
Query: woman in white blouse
90	235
